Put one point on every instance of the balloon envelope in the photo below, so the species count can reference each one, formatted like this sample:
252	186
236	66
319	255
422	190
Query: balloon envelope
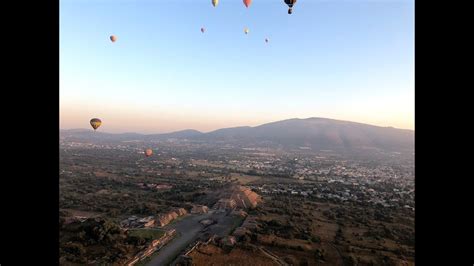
247	3
215	2
290	4
148	152
95	123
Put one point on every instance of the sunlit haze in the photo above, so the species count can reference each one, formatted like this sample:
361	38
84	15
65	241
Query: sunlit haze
347	60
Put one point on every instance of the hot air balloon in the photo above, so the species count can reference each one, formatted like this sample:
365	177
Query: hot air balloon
95	123
290	4
246	30
203	30
113	38
148	152
247	3
215	2
266	40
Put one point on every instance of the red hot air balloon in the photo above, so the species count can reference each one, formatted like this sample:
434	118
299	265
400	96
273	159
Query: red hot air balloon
247	3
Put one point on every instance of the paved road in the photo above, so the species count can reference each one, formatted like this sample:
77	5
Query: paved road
187	230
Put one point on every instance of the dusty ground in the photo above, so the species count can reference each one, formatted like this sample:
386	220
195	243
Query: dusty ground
213	255
86	214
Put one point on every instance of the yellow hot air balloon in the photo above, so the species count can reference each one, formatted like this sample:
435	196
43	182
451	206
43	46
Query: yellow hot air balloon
215	2
95	123
148	152
246	30
113	38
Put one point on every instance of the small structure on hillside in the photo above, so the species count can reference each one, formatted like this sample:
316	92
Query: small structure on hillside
199	209
207	222
225	204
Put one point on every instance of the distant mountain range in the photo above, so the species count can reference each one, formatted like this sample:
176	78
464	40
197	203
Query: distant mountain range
315	133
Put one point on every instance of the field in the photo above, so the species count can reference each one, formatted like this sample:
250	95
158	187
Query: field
245	179
308	232
214	255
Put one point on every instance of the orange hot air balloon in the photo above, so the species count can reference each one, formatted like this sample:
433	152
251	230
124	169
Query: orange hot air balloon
247	3
113	38
148	152
95	123
203	30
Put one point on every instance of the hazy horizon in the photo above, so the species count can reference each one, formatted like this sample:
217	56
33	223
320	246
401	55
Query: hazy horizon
207	131
344	60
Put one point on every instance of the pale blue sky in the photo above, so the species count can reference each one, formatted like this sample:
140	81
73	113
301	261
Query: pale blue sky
350	60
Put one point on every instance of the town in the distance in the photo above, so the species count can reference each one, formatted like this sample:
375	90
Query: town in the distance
310	191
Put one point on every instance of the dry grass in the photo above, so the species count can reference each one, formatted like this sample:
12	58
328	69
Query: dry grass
213	255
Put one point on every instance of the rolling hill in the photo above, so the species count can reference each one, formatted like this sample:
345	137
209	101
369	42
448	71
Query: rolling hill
316	133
